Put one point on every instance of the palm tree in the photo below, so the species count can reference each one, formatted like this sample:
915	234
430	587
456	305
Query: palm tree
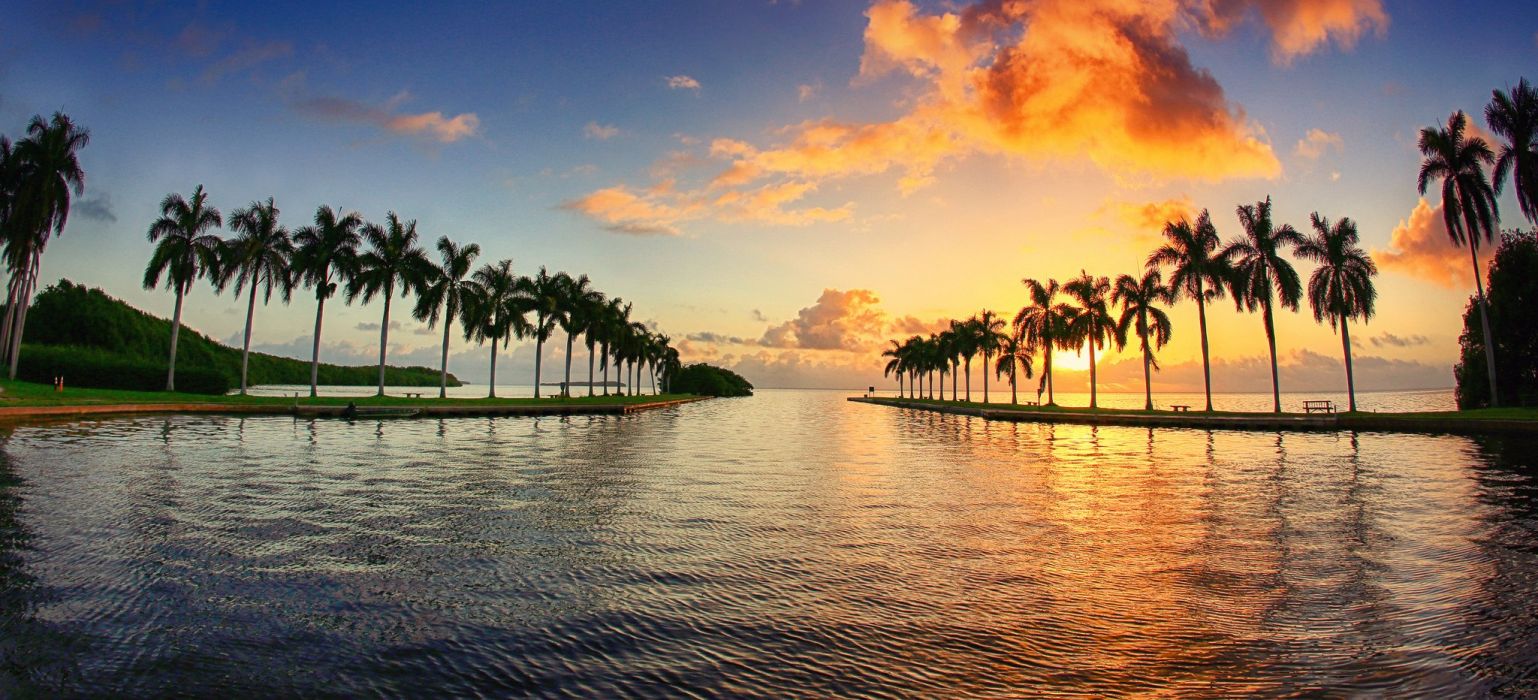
46	167
326	255
578	298
591	309
393	258
1468	203
257	255
1139	312
1014	358
1261	275
1198	273
1515	117
615	315
443	292
494	308
967	340
545	293
895	365
184	253
1341	287
1092	323
1044	324
988	338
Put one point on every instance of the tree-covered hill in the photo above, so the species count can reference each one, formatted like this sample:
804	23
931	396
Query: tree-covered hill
68	315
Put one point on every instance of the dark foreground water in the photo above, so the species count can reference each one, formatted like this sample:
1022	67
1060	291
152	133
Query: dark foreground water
790	544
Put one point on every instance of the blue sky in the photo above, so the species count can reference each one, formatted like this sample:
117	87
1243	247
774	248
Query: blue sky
502	125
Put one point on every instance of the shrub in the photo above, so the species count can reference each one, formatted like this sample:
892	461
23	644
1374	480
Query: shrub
706	380
88	367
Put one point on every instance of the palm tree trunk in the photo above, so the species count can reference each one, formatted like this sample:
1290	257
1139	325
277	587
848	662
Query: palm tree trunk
590	360
176	327
985	377
1201	317
245	347
566	387
942	384
1345	334
1092	378
539	354
384	334
1276	387
19	329
443	373
7	322
969	380
491	386
1484	321
320	309
1147	373
1014	397
606	363
955	366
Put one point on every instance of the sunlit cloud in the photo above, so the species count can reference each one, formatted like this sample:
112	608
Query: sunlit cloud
683	82
1419	247
433	126
600	132
624	211
1316	143
1299	27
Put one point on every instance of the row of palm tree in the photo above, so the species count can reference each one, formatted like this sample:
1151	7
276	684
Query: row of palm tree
39	176
1252	268
342	252
1469	209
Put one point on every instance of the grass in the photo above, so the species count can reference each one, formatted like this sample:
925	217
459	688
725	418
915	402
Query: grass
19	393
1472	414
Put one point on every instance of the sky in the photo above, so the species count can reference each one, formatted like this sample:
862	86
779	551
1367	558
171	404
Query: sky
781	187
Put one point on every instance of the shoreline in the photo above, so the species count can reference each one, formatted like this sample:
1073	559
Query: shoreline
1427	423
12	414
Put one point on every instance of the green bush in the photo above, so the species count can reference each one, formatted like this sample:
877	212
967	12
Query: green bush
706	380
89	367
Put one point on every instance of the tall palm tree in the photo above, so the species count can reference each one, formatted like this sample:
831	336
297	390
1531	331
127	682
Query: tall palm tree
47	169
326	255
1139	300
393	259
494	308
443	293
591	308
1468	203
1514	117
1262	276
988	337
1341	287
967	339
1014	358
615	315
1197	273
1044	324
545	293
894	364
1092	323
578	298
257	256
184	252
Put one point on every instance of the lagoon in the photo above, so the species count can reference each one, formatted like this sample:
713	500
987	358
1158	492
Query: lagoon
787	544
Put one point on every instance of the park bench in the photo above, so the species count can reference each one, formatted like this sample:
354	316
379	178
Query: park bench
413	394
1180	407
1318	406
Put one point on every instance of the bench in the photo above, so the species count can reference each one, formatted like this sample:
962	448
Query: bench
1032	403
413	395
1318	406
1180	407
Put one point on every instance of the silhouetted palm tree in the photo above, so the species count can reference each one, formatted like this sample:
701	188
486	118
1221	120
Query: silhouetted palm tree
578	299
966	338
1341	287
615	316
393	260
1044	324
1092	323
257	256
184	252
1514	117
1262	274
1139	300
443	291
494	311
545	293
325	256
1014	358
894	364
1468	203
988	336
46	168
1197	272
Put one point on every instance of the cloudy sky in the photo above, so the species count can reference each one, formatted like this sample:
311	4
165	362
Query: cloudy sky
782	186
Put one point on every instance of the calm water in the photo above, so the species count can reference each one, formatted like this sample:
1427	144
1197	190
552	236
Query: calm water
791	544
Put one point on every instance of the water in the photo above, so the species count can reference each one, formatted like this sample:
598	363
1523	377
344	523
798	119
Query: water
791	544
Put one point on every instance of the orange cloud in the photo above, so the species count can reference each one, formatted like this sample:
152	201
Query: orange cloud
1152	216
1316	142
624	211
838	321
1419	247
430	125
1298	27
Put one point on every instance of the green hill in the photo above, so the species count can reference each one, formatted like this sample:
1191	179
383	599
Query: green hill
70	324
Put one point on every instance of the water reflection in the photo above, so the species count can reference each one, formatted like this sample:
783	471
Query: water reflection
789	544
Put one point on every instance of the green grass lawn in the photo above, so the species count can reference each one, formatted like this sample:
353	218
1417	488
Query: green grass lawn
18	393
1473	414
